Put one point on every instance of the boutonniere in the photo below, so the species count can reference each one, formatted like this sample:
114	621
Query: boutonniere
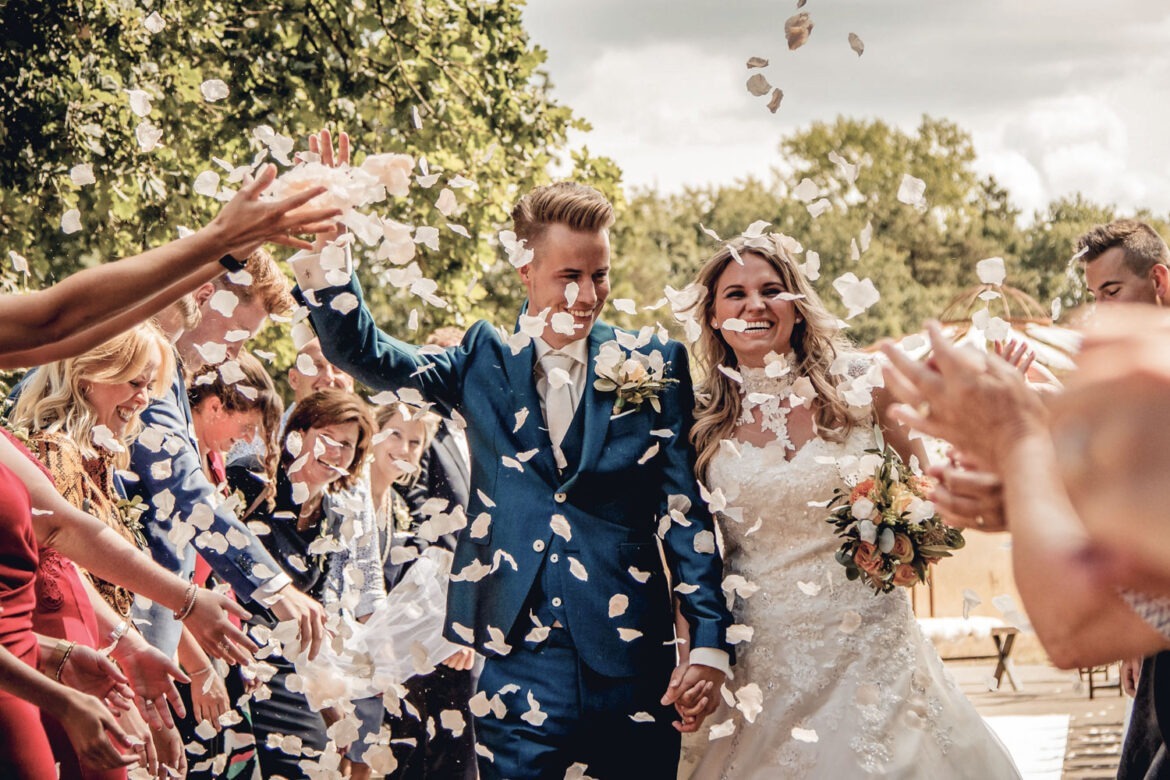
635	378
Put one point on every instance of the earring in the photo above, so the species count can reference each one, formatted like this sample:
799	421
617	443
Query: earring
715	324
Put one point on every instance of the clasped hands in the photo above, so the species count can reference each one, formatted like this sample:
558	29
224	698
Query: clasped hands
694	692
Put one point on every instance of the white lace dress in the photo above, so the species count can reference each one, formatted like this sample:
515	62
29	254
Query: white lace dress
848	686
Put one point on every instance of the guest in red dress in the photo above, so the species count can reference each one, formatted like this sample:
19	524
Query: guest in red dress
24	746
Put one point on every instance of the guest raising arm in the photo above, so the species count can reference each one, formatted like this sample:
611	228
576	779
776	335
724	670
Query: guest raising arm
93	305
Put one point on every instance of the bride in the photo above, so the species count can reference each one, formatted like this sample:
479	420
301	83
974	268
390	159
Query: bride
833	681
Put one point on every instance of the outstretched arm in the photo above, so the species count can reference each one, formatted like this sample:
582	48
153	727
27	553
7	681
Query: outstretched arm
104	553
982	405
82	301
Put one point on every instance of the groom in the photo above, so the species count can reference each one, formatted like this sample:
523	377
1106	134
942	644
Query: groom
558	580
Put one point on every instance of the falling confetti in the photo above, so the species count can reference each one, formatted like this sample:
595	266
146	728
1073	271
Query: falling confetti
774	102
758	85
213	90
797	30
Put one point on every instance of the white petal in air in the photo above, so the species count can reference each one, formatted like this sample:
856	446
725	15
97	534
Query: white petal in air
805	735
71	221
806	190
758	85
912	191
991	270
224	302
139	102
82	175
206	183
213	90
154	23
572	290
857	295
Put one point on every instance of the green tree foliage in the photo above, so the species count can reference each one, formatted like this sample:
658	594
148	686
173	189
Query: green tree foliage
456	82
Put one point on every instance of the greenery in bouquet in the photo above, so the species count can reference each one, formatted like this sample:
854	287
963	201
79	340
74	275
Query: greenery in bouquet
891	531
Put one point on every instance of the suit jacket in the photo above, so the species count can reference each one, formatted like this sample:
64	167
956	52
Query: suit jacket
181	504
611	500
443	474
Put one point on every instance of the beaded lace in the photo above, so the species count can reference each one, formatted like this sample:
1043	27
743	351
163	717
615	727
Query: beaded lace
769	395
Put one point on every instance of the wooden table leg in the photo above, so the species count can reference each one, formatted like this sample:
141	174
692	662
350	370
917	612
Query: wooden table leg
1003	647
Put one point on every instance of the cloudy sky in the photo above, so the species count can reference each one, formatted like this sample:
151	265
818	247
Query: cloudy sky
1060	95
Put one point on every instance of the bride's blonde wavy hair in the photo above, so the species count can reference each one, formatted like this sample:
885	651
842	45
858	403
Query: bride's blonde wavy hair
54	400
816	342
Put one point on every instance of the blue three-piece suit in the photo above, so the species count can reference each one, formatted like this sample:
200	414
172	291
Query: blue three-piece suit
579	685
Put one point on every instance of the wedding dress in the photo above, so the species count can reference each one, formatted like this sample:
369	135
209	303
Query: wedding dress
835	682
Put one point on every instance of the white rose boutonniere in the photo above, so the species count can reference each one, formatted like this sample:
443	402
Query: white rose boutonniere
635	378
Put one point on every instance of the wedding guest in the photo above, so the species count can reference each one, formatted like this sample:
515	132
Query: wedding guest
326	441
982	405
229	404
178	318
171	480
309	373
37	512
94	305
425	745
445	469
80	413
1128	262
24	692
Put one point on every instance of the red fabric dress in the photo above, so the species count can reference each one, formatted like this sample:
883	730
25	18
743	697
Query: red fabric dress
24	748
64	611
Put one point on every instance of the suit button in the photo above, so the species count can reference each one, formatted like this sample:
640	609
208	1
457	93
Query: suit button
556	602
554	558
538	545
560	498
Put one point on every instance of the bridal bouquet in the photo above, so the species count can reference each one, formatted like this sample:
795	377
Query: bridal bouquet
891	531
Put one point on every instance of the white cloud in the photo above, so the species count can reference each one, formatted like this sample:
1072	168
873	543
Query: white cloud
1060	95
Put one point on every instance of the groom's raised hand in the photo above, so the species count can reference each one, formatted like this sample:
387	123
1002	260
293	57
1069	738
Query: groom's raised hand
694	692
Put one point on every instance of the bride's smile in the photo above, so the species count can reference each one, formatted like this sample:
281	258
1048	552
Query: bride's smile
752	312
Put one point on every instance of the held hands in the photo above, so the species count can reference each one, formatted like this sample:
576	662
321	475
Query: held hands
694	692
461	660
211	627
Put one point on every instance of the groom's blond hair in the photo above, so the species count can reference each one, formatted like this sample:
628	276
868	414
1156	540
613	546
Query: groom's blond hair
567	203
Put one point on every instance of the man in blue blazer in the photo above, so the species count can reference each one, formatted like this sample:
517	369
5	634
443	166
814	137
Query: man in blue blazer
558	580
183	512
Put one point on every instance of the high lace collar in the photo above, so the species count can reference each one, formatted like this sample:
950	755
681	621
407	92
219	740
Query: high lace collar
757	379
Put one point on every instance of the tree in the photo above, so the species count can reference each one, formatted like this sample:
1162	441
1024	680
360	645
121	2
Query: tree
454	82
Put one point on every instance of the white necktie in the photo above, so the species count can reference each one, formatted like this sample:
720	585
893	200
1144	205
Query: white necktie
558	395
